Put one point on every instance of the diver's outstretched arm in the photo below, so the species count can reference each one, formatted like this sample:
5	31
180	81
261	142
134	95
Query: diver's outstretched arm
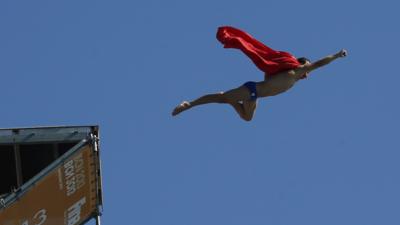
325	61
320	63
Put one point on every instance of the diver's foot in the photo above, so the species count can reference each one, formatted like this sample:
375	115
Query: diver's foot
181	107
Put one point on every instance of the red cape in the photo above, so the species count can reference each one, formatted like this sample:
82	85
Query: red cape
266	59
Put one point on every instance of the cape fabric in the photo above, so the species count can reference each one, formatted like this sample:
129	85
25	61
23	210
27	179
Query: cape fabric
266	59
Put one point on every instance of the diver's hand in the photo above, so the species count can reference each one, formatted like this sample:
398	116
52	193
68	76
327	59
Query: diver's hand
342	53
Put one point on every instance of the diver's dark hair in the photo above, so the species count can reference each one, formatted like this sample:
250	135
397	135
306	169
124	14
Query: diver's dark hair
303	60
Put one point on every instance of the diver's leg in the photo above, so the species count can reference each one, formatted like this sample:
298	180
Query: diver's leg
205	99
249	108
230	97
245	109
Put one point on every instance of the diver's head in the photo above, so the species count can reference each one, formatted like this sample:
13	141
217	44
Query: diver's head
304	61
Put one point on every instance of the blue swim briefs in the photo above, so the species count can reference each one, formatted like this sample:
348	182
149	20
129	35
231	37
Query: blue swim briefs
252	89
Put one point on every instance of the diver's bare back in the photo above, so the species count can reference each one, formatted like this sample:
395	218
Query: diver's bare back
277	84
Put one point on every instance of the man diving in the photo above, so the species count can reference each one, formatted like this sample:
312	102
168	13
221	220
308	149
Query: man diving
282	70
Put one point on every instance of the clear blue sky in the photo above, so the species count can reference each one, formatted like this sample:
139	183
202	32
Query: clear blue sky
326	152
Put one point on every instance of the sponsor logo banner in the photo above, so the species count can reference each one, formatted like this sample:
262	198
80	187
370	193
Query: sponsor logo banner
67	195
